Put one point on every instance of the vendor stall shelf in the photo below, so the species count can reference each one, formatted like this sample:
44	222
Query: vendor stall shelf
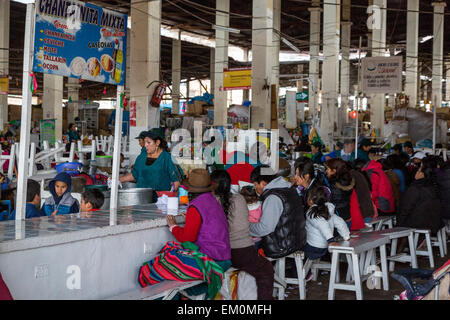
89	113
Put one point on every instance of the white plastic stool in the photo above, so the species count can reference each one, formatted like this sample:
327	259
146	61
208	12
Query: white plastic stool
429	251
280	265
440	241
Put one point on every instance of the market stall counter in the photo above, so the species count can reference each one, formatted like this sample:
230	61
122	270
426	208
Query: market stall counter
81	256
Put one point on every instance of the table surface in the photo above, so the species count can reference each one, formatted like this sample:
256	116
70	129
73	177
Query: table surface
60	224
361	242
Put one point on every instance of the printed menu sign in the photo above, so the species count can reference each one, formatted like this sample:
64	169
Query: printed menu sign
382	75
80	40
47	129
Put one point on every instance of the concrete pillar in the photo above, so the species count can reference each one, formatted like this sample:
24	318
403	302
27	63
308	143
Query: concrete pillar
72	87
176	75
276	47
346	26
300	106
447	79
412	50
246	93
378	101
52	102
4	58
145	65
262	40
425	91
212	58
438	49
330	70
314	63
221	62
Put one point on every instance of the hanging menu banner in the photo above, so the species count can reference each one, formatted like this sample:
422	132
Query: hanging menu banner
237	79
382	75
79	40
47	129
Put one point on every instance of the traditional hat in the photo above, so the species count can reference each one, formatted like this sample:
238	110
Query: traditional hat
198	181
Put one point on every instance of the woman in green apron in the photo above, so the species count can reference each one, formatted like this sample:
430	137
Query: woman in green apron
154	168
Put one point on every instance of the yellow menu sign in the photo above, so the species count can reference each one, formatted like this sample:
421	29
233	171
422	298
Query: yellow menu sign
237	79
4	84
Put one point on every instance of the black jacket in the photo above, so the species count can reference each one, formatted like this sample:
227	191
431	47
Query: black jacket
443	180
290	233
420	207
341	193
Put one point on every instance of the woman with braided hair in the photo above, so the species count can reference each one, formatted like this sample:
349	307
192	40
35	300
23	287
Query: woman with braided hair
244	255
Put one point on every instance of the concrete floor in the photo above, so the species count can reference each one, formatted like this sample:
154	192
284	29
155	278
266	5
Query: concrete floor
318	290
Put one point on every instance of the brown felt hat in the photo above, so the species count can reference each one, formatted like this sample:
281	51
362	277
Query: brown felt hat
198	181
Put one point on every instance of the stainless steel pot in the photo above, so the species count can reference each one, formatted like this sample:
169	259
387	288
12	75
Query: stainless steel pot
130	197
103	162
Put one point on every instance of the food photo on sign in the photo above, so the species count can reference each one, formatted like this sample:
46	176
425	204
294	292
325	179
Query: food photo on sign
80	40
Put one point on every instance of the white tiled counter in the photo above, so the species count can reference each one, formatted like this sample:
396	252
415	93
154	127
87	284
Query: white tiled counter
80	256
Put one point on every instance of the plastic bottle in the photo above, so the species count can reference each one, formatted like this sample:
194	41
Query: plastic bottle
119	62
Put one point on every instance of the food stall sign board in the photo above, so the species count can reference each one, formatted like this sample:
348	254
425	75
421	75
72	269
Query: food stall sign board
4	84
47	129
381	75
237	79
80	40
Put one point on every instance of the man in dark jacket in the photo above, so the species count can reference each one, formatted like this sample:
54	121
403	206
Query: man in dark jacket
282	223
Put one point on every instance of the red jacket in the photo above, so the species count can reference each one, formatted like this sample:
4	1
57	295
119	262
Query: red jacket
4	291
382	194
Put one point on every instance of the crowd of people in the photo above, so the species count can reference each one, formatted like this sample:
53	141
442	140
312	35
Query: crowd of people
271	216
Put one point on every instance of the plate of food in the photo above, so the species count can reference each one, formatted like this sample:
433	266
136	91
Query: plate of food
93	66
107	63
77	66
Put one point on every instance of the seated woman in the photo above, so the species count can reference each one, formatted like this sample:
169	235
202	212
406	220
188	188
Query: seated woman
307	178
420	206
204	237
244	255
73	134
350	193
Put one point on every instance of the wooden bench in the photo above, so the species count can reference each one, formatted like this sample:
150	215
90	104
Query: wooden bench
165	290
359	254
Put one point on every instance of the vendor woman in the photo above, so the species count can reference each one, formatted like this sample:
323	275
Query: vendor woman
154	168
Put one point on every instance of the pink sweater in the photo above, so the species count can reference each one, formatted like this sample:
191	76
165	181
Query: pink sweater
254	212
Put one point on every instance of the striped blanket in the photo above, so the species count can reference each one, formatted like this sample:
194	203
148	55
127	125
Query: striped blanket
182	262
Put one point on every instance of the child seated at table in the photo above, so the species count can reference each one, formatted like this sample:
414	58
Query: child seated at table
92	200
33	200
253	205
61	201
320	224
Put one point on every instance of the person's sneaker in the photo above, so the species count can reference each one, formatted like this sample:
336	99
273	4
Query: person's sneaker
309	276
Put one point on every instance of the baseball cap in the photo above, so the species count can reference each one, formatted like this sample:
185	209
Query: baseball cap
419	155
141	135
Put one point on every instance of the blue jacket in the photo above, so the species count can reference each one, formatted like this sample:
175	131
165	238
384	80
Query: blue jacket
31	212
66	203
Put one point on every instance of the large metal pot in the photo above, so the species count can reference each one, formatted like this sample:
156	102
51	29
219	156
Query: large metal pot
130	197
103	161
